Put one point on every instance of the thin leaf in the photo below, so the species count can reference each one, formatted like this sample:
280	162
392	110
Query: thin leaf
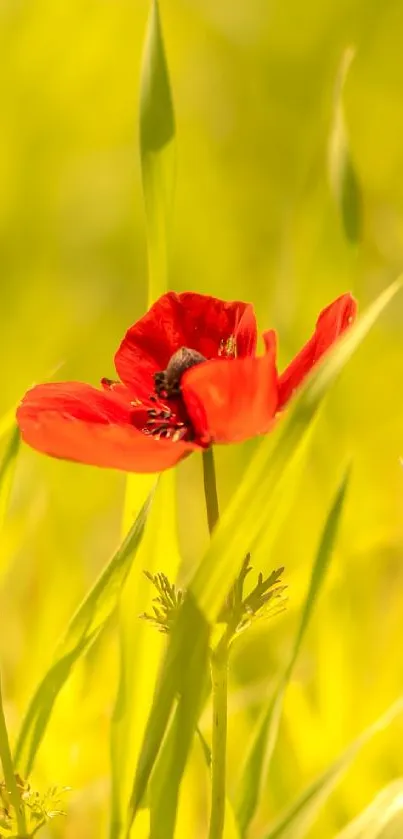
382	819
141	646
6	476
137	488
264	739
7	469
187	652
253	506
298	818
140	650
84	628
10	780
343	178
165	783
157	151
7	422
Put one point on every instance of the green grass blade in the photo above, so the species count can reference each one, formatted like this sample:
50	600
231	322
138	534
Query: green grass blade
140	651
343	178
257	498
257	762
140	645
297	820
7	765
165	784
7	422
187	652
84	628
131	660
382	819
157	151
7	469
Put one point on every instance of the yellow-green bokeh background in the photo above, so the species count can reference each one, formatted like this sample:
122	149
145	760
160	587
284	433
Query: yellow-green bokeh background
254	219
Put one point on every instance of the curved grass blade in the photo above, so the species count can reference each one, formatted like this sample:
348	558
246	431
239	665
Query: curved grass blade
170	766
187	652
166	780
253	505
157	151
164	788
297	820
382	819
257	762
85	626
343	178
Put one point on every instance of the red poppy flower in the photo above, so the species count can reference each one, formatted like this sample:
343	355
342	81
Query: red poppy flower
189	377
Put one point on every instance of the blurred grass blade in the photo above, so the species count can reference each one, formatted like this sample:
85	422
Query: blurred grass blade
255	503
157	151
84	628
140	648
297	820
343	179
382	819
187	652
132	603
7	422
140	645
7	469
257	762
10	780
165	783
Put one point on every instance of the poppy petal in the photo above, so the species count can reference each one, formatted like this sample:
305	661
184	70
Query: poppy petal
246	333
209	324
74	421
229	400
331	323
139	396
190	320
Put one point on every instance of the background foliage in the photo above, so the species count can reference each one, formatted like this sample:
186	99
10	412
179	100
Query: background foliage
253	85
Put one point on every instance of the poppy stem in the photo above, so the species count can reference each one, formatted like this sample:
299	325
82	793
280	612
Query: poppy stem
210	489
9	775
219	677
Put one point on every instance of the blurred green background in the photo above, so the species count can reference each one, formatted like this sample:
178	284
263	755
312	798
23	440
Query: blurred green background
253	86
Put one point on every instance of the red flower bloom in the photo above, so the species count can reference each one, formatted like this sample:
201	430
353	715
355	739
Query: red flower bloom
189	377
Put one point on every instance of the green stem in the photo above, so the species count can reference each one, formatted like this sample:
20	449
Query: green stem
9	775
210	489
219	679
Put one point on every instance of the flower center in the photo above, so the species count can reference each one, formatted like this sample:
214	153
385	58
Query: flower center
163	424
167	382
